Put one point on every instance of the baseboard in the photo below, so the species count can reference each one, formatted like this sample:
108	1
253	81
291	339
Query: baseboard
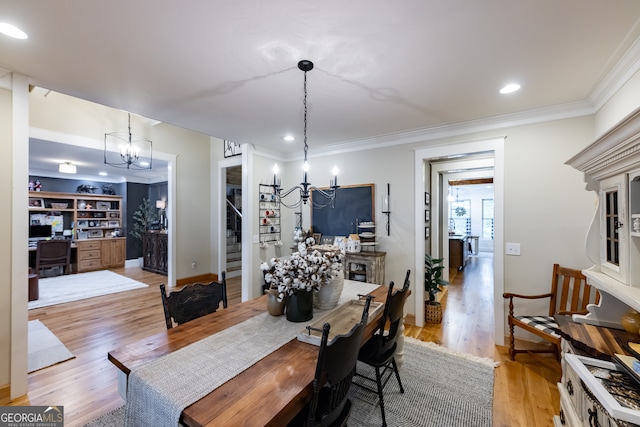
410	319
131	263
202	278
5	394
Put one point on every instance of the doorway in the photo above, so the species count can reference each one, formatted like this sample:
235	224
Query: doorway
231	198
433	182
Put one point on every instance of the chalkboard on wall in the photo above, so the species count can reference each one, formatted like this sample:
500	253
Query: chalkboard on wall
353	203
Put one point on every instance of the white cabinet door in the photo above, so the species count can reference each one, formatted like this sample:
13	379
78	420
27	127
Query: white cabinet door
614	227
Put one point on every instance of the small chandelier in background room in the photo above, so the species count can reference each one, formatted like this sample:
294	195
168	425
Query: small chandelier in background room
326	197
134	152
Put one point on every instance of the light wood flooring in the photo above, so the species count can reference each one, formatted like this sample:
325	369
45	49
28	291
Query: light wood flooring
525	391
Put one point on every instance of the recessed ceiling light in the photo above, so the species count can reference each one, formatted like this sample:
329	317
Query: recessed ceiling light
511	87
11	31
102	174
289	138
144	163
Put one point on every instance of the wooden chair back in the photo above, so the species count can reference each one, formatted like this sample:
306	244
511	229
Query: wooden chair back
570	293
193	301
53	253
392	316
335	368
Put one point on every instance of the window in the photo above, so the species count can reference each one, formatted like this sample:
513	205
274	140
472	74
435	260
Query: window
487	219
460	216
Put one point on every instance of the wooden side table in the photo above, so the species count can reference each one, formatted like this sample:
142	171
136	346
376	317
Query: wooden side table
367	264
34	290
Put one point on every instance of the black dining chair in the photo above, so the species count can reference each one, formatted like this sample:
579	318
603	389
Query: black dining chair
53	253
379	351
193	301
330	405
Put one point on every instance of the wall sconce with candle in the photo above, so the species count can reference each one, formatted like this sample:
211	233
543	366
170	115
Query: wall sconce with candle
386	208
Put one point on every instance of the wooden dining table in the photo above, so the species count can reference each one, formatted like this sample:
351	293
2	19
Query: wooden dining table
268	393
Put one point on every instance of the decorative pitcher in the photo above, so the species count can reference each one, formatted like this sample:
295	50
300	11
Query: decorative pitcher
274	307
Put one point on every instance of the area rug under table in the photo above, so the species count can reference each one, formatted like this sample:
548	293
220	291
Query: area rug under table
442	388
74	287
44	348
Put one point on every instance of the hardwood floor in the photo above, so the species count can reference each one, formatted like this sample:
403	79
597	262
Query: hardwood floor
525	393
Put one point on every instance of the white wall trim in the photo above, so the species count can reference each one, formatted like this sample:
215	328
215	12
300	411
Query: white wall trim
19	220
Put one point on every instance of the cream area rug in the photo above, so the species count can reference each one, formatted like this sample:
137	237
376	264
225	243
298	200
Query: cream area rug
442	388
74	287
45	349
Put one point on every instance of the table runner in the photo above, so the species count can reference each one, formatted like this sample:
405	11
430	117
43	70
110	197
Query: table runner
159	391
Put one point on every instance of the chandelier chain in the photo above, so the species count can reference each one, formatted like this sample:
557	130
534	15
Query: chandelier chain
306	147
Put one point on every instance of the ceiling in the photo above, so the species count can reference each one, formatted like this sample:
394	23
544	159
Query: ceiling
385	72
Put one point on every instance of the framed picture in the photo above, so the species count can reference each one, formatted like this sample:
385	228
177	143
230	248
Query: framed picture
427	198
105	206
114	224
427	215
83	223
327	240
36	203
427	232
316	237
95	233
338	240
232	149
114	215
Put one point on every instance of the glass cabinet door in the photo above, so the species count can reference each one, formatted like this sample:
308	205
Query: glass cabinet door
613	220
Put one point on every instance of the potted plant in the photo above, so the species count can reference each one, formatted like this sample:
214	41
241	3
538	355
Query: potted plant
432	282
142	219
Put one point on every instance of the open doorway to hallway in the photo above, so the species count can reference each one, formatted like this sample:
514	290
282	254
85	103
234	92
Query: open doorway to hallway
430	180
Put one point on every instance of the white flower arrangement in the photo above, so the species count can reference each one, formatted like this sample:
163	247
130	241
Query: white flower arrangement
308	269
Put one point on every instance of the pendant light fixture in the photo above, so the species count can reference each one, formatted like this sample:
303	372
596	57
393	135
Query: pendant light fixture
327	197
135	152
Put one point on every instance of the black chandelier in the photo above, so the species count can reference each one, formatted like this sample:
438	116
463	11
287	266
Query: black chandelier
134	151
324	197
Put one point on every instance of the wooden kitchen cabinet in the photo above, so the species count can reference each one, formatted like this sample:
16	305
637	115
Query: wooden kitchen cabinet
458	251
89	255
97	254
113	253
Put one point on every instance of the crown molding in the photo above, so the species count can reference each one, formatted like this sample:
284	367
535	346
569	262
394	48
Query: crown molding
623	70
540	115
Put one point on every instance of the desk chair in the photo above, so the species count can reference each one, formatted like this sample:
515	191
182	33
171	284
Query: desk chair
379	351
330	406
193	301
569	294
53	253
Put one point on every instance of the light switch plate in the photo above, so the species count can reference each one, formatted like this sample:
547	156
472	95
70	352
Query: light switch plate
513	249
